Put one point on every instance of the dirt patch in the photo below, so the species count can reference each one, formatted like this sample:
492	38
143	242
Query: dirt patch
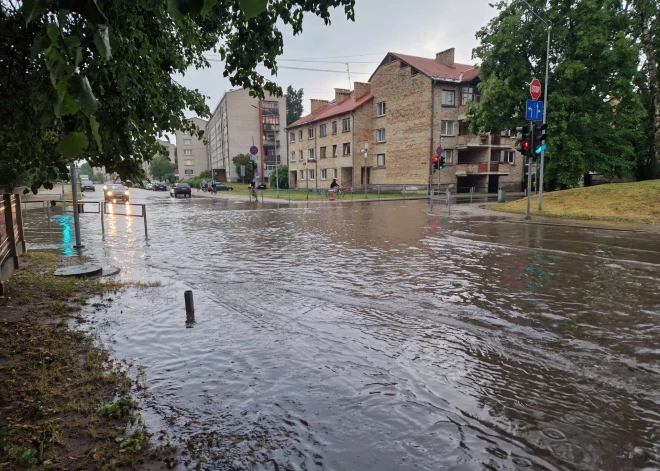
65	405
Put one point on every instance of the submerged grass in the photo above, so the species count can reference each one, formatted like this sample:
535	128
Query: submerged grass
65	403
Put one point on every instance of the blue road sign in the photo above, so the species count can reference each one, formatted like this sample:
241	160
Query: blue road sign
254	150
534	110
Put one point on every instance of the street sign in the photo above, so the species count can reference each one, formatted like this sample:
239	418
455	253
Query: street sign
439	150
242	170
256	174
534	110
254	150
535	89
176	171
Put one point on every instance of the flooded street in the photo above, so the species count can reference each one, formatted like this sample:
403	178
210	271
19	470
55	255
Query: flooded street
374	336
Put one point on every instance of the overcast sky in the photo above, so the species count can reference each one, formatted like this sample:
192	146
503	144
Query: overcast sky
415	27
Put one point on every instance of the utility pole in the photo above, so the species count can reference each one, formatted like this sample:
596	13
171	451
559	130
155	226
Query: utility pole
365	152
76	215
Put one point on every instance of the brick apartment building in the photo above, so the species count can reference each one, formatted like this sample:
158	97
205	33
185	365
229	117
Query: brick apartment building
410	106
191	152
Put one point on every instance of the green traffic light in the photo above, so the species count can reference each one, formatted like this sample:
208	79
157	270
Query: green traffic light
542	148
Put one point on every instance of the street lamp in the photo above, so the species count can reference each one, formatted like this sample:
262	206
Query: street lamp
525	6
277	173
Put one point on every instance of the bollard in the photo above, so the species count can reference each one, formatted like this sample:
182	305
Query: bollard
332	195
101	210
190	305
144	216
432	191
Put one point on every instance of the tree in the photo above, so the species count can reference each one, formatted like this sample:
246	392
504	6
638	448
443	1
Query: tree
283	172
294	104
162	168
93	80
206	175
595	118
244	159
86	169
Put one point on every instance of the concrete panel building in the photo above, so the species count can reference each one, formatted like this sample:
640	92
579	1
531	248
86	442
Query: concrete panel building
170	149
191	152
240	121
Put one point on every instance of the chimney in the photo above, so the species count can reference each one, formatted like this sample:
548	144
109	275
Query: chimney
341	94
317	104
446	56
360	89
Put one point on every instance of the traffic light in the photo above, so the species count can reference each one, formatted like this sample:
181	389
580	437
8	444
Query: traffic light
523	144
442	162
436	163
540	136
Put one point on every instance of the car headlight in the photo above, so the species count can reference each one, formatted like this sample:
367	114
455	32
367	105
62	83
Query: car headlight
126	193
109	193
105	187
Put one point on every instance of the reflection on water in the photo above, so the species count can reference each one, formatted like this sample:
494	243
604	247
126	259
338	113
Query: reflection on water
375	337
66	223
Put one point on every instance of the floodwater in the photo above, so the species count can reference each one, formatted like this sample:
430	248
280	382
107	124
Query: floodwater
376	337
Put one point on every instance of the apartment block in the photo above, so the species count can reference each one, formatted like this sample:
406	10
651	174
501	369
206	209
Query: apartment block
410	107
170	150
239	122
191	152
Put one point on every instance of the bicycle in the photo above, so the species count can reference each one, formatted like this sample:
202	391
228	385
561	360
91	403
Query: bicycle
339	193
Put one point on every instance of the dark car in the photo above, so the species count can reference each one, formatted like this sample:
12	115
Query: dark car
181	189
116	192
86	185
262	186
223	187
159	186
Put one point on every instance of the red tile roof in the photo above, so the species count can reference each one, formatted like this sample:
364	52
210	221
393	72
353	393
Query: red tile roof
438	70
333	109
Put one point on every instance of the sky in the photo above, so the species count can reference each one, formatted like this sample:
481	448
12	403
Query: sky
415	27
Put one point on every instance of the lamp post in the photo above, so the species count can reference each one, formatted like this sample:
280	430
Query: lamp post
277	173
525	6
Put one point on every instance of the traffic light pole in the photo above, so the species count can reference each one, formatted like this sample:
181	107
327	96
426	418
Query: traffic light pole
529	169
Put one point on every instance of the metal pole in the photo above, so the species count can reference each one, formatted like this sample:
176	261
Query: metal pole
529	186
448	202
144	216
432	192
76	216
101	210
190	303
545	114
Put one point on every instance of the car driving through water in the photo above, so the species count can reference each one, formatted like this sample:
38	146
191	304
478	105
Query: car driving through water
115	192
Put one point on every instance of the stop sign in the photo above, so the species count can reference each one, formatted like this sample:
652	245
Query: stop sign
535	89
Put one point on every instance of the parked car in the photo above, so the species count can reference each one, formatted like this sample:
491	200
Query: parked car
159	186
86	185
181	189
148	186
223	187
115	192
262	186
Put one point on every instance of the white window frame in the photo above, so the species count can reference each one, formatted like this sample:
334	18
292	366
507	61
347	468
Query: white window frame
323	130
323	152
310	154
334	173
187	152
380	135
187	142
302	175
300	133
448	154
311	174
447	128
292	137
334	127
334	150
381	109
346	125
192	162
343	148
300	154
378	160
446	100
293	156
310	133
511	157
324	174
189	172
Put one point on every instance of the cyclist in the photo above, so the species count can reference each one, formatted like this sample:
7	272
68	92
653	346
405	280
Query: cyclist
334	184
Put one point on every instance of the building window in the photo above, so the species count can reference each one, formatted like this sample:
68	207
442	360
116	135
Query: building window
311	174
302	174
462	157
300	135
334	127
448	98
463	128
188	162
324	174
470	94
323	152
346	124
334	173
310	133
323	130
187	152
380	160
510	157
310	155
187	142
269	104
270	119
448	154
447	128
293	136
380	135
334	150
347	148
293	156
494	155
189	172
381	108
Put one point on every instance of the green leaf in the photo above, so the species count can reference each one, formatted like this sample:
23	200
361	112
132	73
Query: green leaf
81	90
66	105
41	43
173	10
208	6
252	8
33	9
72	145
95	132
102	42
180	8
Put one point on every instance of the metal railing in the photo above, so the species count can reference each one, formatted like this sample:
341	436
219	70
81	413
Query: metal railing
12	239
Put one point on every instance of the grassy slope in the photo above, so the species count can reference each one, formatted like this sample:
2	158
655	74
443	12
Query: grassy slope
630	202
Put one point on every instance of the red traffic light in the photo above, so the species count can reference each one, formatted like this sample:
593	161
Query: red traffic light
524	145
436	162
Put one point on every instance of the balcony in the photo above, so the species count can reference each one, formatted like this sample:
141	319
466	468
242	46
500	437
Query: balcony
482	168
272	127
481	140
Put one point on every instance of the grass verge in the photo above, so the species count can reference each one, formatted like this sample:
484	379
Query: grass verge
65	403
637	202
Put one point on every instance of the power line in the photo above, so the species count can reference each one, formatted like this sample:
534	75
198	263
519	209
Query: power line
305	59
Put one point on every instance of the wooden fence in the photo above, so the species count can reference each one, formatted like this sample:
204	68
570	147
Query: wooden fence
12	241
